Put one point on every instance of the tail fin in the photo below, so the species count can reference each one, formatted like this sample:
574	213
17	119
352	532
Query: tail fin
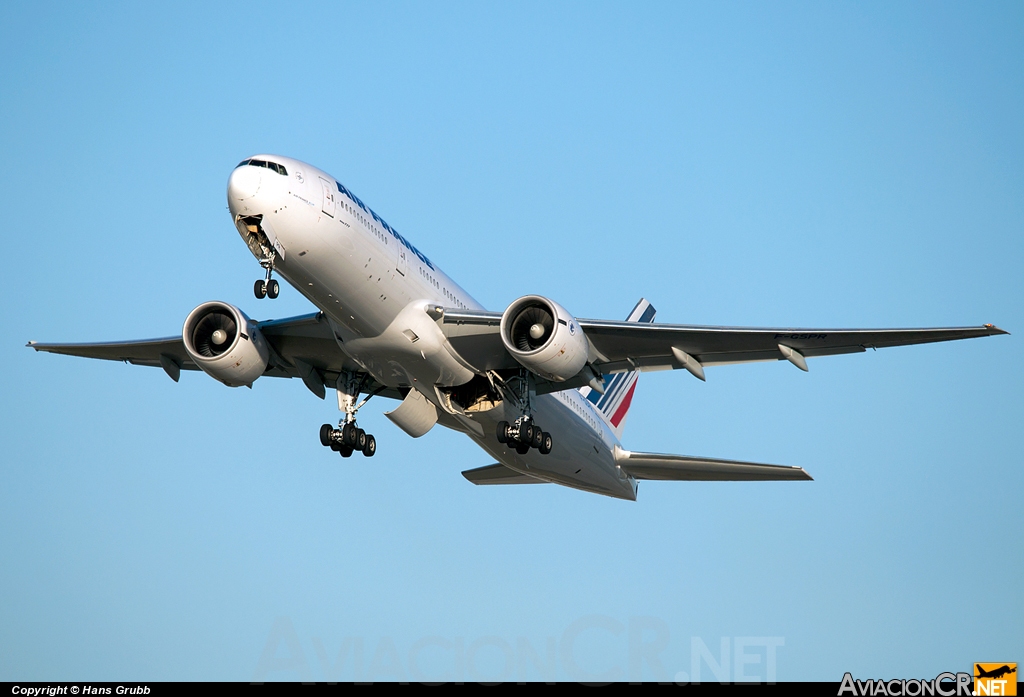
618	388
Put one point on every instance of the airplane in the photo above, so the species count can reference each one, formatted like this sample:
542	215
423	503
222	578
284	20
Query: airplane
542	392
996	672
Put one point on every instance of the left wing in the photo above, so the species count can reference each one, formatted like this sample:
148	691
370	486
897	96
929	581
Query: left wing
303	347
145	352
623	346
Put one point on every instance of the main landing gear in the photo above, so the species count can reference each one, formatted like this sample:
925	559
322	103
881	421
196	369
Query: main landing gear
348	439
523	435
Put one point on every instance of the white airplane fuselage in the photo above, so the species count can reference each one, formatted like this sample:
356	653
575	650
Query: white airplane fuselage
374	287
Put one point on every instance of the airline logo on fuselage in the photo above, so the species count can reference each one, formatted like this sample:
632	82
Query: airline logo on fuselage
383	224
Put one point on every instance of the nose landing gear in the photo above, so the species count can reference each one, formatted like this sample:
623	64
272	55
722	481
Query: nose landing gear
269	287
263	249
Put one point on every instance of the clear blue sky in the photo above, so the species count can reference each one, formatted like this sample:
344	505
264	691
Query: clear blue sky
819	165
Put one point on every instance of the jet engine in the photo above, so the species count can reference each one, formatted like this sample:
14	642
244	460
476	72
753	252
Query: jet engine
225	344
544	338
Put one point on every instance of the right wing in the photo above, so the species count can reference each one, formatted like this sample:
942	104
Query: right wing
629	346
656	466
624	346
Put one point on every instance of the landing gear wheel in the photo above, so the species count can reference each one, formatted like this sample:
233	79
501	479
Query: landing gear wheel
325	434
345	451
336	447
273	288
360	440
371	446
546	443
526	435
522	448
259	289
538	437
502	432
348	434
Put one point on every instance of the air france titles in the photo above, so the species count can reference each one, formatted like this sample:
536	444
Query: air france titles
944	685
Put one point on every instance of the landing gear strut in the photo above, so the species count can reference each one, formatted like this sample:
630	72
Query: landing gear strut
523	433
348	437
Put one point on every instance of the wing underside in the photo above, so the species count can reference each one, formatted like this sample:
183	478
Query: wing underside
623	346
303	347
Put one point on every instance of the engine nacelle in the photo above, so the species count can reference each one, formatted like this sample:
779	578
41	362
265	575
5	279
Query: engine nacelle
544	338
225	344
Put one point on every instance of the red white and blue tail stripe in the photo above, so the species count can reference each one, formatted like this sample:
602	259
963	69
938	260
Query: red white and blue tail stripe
619	388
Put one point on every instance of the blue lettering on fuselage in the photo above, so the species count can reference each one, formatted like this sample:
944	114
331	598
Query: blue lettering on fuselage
384	224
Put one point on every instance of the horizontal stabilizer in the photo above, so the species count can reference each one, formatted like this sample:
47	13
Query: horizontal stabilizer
656	466
499	474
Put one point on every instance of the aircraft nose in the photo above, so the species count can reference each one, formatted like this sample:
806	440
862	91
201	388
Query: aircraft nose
243	183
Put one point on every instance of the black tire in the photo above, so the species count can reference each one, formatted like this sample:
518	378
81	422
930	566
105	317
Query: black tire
273	288
336	447
547	442
345	451
371	446
526	435
502	431
522	448
325	434
360	440
348	434
259	289
538	437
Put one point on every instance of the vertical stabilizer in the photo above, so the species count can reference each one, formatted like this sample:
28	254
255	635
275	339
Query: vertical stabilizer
618	388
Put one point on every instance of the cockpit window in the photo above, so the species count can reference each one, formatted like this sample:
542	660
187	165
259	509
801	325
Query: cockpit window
264	163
